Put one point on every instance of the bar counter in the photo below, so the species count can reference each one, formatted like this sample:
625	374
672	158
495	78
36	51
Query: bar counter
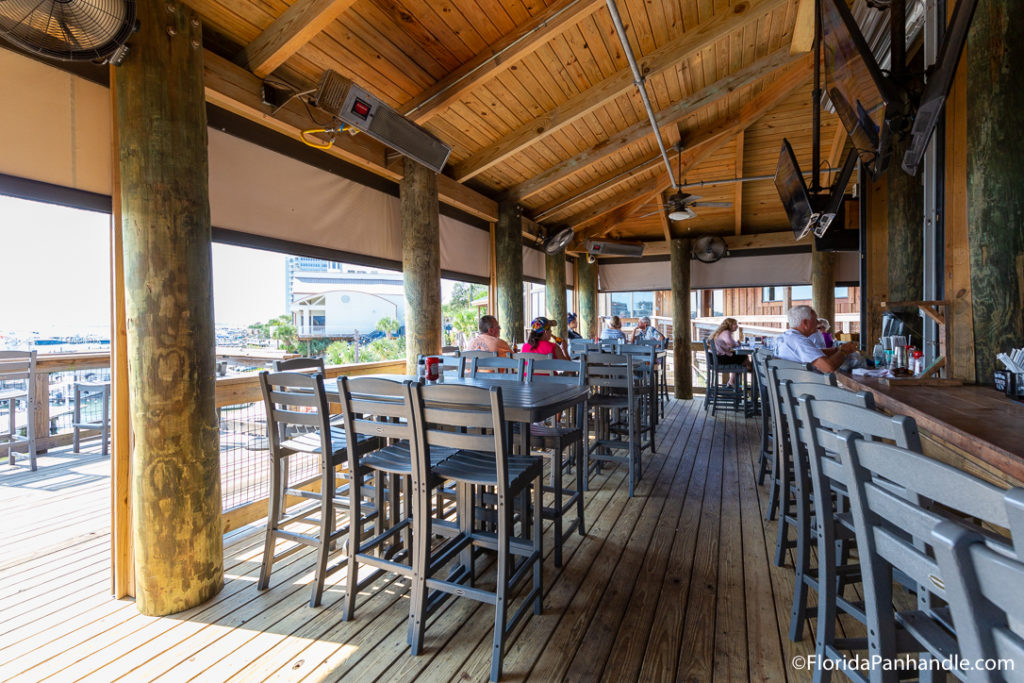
978	428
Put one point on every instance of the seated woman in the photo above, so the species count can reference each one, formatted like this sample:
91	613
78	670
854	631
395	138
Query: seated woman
614	329
724	345
540	340
827	340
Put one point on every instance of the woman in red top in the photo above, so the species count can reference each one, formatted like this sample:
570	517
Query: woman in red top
540	340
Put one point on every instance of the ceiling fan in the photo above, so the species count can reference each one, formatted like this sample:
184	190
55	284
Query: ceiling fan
680	205
71	30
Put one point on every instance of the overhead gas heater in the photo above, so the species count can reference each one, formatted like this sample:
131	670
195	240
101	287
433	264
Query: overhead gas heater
358	109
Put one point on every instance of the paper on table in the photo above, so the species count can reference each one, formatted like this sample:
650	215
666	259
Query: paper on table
868	372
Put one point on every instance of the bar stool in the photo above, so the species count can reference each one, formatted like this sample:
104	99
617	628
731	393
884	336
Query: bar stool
19	366
88	392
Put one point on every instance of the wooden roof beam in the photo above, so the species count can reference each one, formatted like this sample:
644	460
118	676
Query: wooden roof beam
233	88
738	198
706	97
701	37
289	32
803	29
764	240
499	56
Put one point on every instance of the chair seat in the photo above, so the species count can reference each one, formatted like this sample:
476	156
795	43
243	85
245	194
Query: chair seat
478	468
543	431
605	401
310	441
396	458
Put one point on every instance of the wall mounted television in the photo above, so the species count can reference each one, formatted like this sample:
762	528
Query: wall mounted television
807	212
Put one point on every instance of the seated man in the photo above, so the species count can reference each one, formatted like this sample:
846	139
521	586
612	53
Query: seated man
645	331
488	339
795	343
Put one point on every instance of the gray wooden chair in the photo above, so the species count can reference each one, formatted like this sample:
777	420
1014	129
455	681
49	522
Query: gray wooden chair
982	581
644	365
383	409
298	423
555	438
450	350
93	393
17	373
299	364
613	379
580	347
480	460
897	498
766	457
468	355
453	366
821	418
815	512
716	394
497	368
784	486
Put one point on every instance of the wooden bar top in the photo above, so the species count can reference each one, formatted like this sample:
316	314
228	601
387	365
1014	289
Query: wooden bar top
976	419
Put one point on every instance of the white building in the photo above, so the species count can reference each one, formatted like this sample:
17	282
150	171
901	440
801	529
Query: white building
338	300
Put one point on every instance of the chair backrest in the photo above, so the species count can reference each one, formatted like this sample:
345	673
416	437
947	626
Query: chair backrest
479	354
301	363
17	365
497	367
610	371
450	350
581	346
982	585
453	366
892	491
295	401
532	356
461	417
375	407
569	372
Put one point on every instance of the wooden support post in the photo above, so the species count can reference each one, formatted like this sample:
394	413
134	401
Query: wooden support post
995	213
165	209
587	275
906	241
823	285
554	292
681	354
421	261
508	254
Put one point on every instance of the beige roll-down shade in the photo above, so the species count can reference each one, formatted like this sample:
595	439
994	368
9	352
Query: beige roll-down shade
734	271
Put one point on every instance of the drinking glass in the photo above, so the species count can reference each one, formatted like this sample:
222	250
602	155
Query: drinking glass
879	355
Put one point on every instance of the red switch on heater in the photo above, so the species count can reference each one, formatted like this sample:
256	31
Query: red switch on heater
360	109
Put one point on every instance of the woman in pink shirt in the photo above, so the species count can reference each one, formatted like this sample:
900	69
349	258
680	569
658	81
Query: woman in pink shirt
540	339
725	344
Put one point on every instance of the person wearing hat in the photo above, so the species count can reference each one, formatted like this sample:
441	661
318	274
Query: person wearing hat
573	325
539	340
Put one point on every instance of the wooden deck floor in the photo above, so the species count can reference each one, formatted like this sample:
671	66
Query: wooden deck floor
675	583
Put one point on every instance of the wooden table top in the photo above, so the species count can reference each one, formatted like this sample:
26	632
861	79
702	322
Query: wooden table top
977	419
523	402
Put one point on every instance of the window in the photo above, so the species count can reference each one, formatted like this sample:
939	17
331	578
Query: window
631	304
620	303
842	292
801	293
771	294
718	302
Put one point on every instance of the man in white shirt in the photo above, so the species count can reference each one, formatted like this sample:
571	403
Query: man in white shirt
795	343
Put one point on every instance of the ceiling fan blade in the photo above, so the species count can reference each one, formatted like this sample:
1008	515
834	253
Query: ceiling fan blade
713	204
685	214
691	198
652	213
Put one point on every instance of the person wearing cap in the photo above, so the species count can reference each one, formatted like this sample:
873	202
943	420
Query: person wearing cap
573	325
539	340
645	331
489	339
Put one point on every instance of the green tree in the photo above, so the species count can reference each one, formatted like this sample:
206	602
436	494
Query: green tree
340	353
389	326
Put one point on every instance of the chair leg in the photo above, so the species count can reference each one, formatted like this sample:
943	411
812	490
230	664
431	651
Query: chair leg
556	474
12	407
323	548
538	544
420	566
355	540
580	447
30	430
501	591
273	515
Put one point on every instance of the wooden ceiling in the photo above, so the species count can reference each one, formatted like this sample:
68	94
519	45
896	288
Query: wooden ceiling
537	100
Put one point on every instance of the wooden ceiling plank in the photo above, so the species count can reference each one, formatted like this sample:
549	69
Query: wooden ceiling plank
640	130
289	32
499	56
764	240
699	38
702	143
803	29
235	89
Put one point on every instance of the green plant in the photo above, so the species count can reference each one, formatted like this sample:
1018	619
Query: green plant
388	326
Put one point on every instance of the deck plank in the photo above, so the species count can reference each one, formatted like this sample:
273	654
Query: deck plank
675	583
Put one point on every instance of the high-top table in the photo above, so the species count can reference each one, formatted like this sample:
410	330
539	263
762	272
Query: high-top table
980	423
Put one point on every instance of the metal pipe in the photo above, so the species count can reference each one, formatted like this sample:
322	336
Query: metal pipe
816	102
638	81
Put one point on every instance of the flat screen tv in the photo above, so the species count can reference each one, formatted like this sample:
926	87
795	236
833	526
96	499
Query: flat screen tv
830	206
855	84
793	192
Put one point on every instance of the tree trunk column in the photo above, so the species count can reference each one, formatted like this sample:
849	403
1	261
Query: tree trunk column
823	285
508	254
586	274
681	355
165	209
554	292
421	262
995	146
906	238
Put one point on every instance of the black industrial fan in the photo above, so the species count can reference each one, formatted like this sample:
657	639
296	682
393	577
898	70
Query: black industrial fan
556	244
70	30
709	249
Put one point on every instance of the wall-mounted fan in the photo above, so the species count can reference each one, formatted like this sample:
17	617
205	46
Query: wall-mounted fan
709	249
70	30
559	242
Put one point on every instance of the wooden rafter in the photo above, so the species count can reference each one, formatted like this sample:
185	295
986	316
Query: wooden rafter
764	240
701	37
706	97
289	32
738	198
233	88
803	29
835	152
793	77
499	56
